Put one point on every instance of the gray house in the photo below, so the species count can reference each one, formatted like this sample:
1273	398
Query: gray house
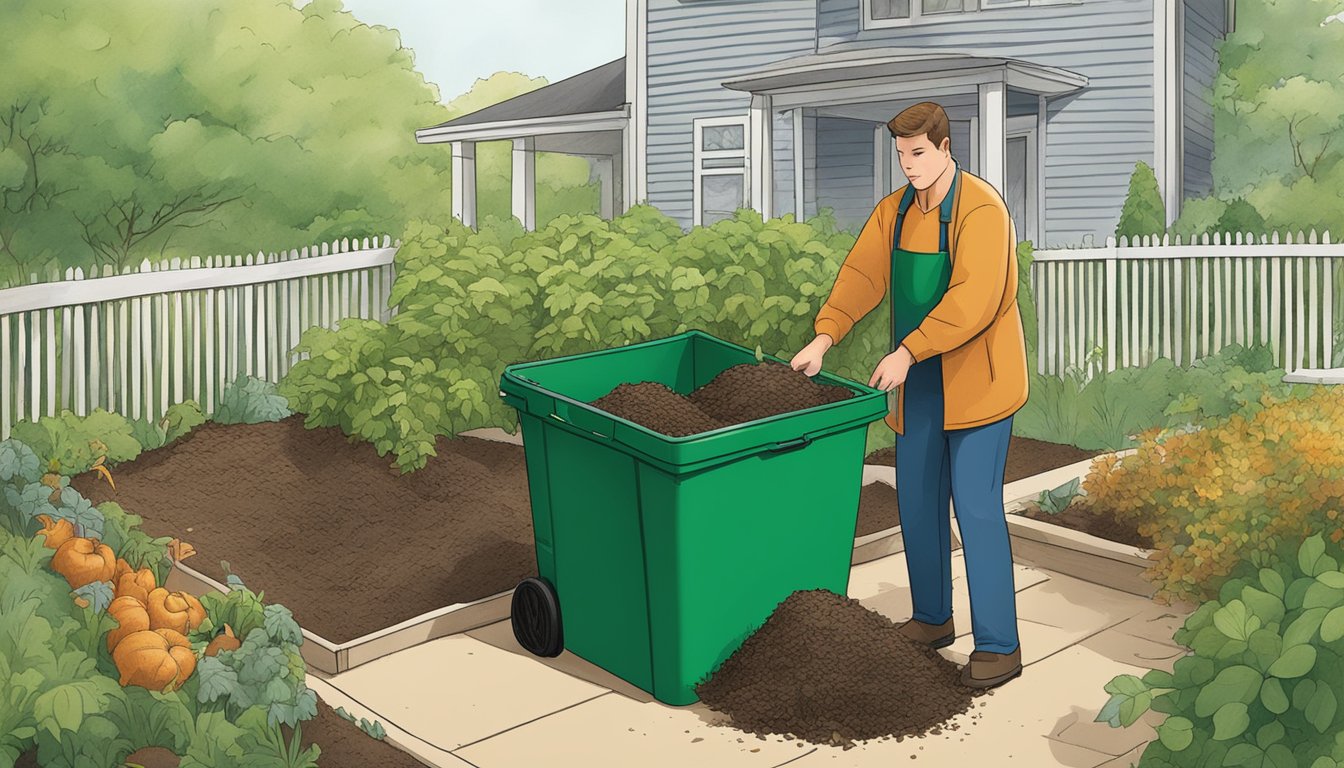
781	105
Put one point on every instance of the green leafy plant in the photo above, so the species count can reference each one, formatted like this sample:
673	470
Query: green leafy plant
1058	499
249	400
264	743
74	443
266	671
178	421
372	728
1259	685
122	532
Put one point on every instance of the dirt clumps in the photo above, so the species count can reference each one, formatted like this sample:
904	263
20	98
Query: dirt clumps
742	393
825	669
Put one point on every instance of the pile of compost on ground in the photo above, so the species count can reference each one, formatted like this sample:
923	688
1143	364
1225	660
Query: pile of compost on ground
825	669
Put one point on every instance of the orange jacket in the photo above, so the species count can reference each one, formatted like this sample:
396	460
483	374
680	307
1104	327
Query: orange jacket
977	326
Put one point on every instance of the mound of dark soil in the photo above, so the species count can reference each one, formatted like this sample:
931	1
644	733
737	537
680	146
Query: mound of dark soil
742	393
825	669
327	528
653	405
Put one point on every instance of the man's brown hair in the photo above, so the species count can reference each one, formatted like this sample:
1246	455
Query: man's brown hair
924	117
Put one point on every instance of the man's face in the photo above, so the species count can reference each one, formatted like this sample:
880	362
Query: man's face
922	162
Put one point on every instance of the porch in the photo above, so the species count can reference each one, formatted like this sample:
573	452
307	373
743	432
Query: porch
816	133
584	115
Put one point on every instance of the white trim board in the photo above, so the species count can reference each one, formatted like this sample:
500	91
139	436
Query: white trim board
1168	69
509	129
635	188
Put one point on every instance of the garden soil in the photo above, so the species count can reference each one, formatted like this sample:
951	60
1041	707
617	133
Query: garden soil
345	743
1091	520
827	670
1026	457
342	742
742	393
330	529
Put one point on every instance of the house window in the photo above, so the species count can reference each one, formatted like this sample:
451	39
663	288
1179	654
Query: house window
895	13
720	157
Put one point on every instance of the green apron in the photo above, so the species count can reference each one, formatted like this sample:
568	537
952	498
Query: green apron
918	280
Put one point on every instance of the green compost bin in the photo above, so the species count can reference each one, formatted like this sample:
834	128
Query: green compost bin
659	555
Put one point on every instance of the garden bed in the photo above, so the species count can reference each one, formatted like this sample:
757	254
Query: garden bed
1026	458
325	526
341	741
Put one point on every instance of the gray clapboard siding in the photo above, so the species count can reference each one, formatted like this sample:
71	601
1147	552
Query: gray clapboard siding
692	48
1095	136
844	175
1204	22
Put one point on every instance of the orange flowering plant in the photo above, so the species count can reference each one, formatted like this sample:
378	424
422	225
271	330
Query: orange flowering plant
1231	491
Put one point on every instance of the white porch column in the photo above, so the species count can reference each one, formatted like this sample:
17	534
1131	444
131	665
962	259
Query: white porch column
992	113
604	170
464	182
883	180
524	182
761	156
1042	122
799	165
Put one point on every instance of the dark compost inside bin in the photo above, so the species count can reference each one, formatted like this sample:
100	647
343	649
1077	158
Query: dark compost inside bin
826	669
739	394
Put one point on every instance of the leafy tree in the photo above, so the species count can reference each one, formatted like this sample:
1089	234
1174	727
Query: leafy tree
1143	212
146	129
1279	112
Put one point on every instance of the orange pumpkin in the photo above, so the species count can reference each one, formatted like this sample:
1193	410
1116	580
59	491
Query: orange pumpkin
57	532
131	617
137	584
225	641
177	611
83	561
122	568
159	659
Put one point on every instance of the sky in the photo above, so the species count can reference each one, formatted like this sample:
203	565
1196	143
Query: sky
458	41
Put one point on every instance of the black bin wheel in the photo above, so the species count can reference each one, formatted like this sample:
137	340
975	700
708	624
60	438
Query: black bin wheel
535	615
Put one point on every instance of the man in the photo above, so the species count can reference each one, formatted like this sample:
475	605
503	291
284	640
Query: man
945	246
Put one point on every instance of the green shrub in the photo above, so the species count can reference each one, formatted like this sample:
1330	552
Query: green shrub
73	442
1143	212
472	302
249	400
1103	412
1259	686
1240	216
178	421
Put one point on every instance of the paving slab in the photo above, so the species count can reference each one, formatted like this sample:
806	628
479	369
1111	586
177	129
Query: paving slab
1011	728
1074	604
614	731
457	690
1080	728
423	751
1139	651
500	635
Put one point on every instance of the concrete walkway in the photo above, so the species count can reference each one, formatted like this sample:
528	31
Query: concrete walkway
478	699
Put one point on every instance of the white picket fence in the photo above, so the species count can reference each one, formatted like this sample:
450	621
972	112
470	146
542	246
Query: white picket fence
139	342
1138	301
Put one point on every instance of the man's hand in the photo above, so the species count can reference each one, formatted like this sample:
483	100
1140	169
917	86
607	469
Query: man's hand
892	370
808	359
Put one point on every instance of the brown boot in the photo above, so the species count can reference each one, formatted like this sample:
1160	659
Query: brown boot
986	669
935	635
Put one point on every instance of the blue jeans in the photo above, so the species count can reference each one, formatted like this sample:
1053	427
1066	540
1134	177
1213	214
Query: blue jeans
933	466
